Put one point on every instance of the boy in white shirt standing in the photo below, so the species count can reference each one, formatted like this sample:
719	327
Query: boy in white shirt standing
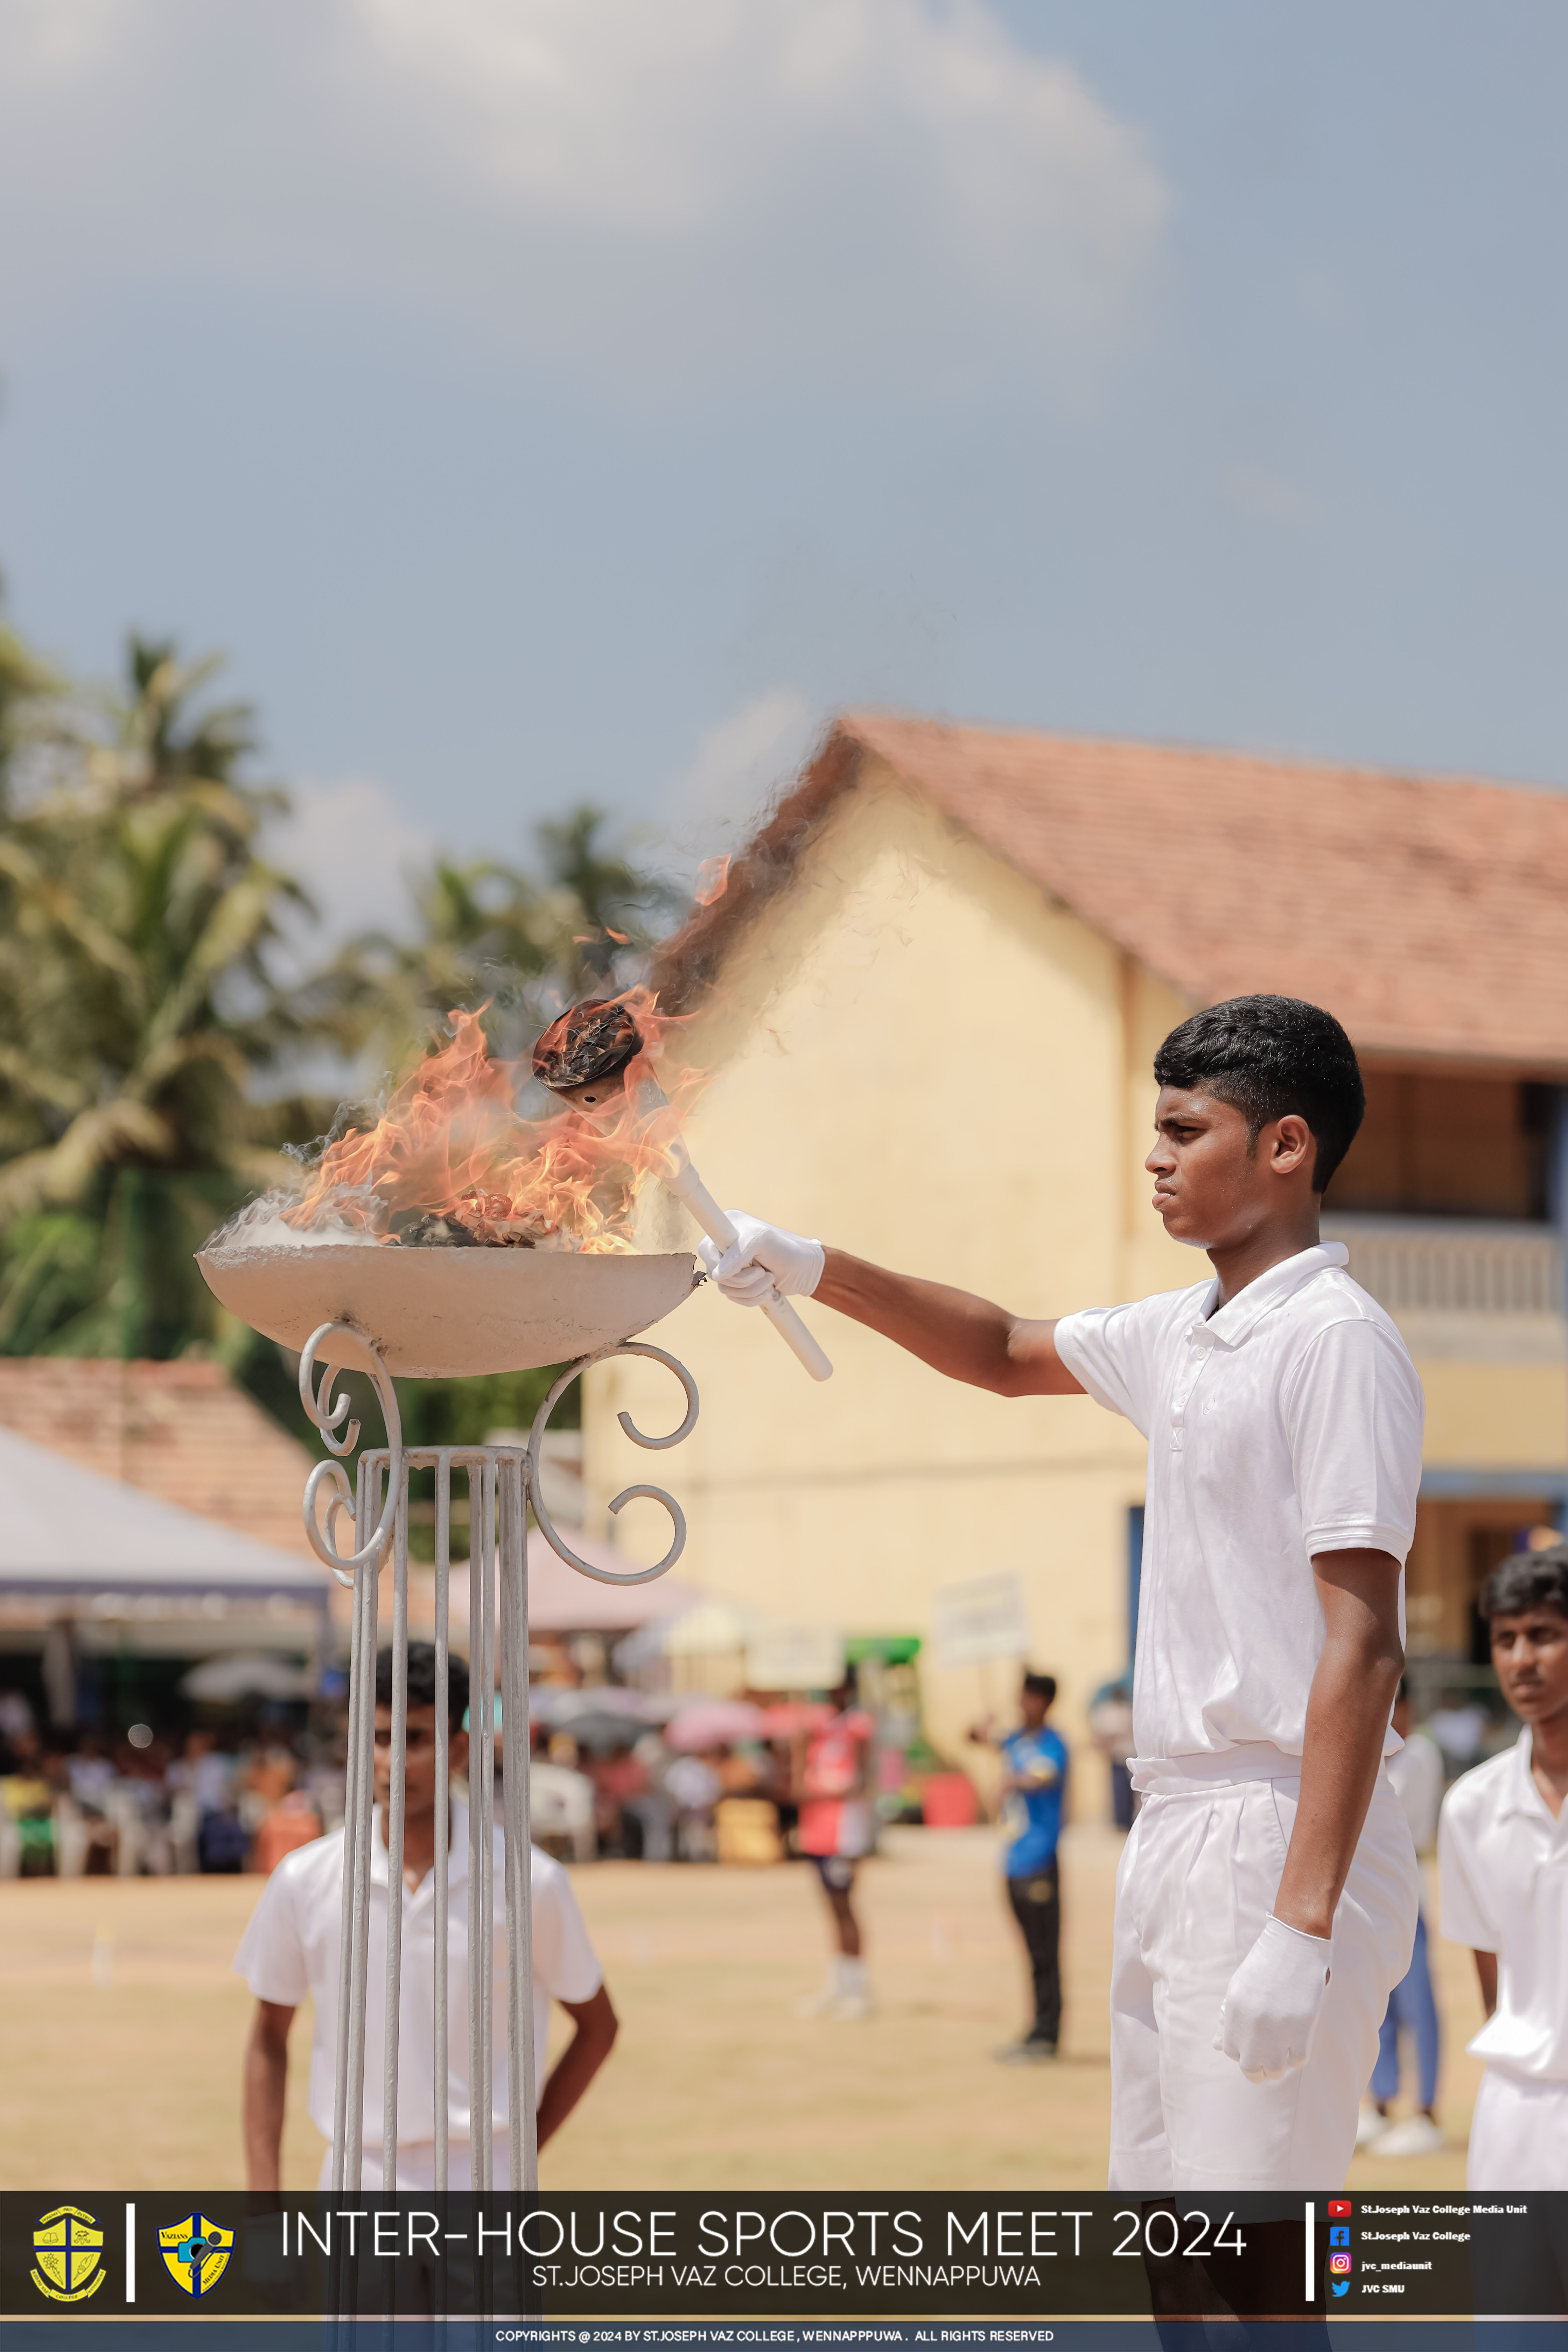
291	1948
1415	1776
1267	1897
1502	1859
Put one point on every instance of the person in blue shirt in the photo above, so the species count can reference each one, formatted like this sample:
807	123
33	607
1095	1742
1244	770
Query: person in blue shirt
1036	1764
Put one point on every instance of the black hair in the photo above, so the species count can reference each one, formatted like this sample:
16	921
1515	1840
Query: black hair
1527	1579
1267	1055
1042	1685
422	1681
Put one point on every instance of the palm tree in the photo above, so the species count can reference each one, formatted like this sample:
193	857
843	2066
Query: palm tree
137	1007
29	697
145	1031
520	941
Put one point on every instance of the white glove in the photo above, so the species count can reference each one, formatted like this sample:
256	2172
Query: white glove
1272	2001
764	1263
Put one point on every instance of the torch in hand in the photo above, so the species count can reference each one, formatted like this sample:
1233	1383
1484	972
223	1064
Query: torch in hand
585	1059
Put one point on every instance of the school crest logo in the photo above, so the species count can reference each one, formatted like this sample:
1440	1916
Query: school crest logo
68	2244
195	2253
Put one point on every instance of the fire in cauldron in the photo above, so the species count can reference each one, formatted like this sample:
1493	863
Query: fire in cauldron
464	1151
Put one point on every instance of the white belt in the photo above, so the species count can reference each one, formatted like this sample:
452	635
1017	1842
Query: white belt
1224	1768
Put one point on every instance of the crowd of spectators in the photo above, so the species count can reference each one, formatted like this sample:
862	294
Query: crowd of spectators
664	1780
84	1801
613	1773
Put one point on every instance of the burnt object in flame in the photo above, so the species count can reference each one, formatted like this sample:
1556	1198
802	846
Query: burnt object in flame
479	1221
453	1159
585	1058
429	1231
580	1055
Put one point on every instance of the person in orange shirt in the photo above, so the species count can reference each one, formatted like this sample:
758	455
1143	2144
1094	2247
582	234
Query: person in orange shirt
834	1790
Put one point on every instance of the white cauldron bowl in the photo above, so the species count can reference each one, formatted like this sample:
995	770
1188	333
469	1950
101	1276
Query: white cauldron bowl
451	1314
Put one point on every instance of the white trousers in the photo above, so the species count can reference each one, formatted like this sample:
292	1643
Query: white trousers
416	2165
1198	1878
1519	2134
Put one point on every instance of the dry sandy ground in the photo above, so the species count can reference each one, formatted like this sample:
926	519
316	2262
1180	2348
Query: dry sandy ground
134	2084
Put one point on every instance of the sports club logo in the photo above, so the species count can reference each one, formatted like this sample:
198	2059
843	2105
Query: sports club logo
195	2253
68	2244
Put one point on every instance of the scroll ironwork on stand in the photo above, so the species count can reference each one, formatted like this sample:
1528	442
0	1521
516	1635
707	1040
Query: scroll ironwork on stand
503	1484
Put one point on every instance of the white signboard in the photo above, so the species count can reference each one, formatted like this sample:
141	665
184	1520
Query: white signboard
795	1658
982	1617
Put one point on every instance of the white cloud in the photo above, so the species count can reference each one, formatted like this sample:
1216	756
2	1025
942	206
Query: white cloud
738	763
351	846
658	191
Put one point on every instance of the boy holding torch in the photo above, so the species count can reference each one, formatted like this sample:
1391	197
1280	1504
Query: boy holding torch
1267	1896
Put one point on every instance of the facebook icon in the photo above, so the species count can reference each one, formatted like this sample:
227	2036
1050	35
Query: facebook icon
1339	2235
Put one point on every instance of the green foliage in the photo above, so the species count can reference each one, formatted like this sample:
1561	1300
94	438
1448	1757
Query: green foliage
465	1412
496	934
137	1007
28	693
148	1026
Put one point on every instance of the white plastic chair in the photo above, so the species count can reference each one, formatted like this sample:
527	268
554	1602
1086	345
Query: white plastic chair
563	1807
71	1839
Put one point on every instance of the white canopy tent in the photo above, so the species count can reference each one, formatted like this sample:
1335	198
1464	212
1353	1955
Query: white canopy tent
70	1536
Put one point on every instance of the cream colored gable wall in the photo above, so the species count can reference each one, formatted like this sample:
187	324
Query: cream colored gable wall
1150	1261
921	1059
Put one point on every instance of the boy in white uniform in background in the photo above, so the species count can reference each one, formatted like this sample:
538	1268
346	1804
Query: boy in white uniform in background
1267	1898
1502	1859
292	1944
1415	1776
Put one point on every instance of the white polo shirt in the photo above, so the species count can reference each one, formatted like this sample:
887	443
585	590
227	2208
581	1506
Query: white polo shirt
1502	1865
1415	1775
1285	1424
290	1948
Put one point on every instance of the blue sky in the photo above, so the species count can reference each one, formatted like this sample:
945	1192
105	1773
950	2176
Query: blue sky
543	399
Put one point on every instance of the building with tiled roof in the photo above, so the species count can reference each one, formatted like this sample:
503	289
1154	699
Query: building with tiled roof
182	1434
181	1431
929	996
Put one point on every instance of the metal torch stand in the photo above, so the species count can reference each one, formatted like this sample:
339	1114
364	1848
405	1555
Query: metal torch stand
503	1484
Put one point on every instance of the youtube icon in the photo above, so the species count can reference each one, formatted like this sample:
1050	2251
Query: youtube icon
1337	2207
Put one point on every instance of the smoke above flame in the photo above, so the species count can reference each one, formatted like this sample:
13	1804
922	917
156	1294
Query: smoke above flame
712	880
451	1146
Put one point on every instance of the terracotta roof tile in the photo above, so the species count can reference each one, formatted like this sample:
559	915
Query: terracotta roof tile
180	1430
1429	913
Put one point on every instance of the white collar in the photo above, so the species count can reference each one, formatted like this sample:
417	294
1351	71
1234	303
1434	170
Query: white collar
1523	1796
1233	1322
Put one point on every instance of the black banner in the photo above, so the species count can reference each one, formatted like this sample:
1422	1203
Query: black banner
797	2257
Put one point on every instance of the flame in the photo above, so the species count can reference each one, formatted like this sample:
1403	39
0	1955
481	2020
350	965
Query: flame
712	880
450	1141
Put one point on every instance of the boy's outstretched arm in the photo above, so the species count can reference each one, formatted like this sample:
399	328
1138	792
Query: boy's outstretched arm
957	1333
967	1338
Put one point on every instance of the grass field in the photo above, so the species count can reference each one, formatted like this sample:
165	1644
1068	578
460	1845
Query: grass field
126	2074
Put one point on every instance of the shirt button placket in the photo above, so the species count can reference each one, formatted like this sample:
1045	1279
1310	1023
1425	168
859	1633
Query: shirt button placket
1199	1340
